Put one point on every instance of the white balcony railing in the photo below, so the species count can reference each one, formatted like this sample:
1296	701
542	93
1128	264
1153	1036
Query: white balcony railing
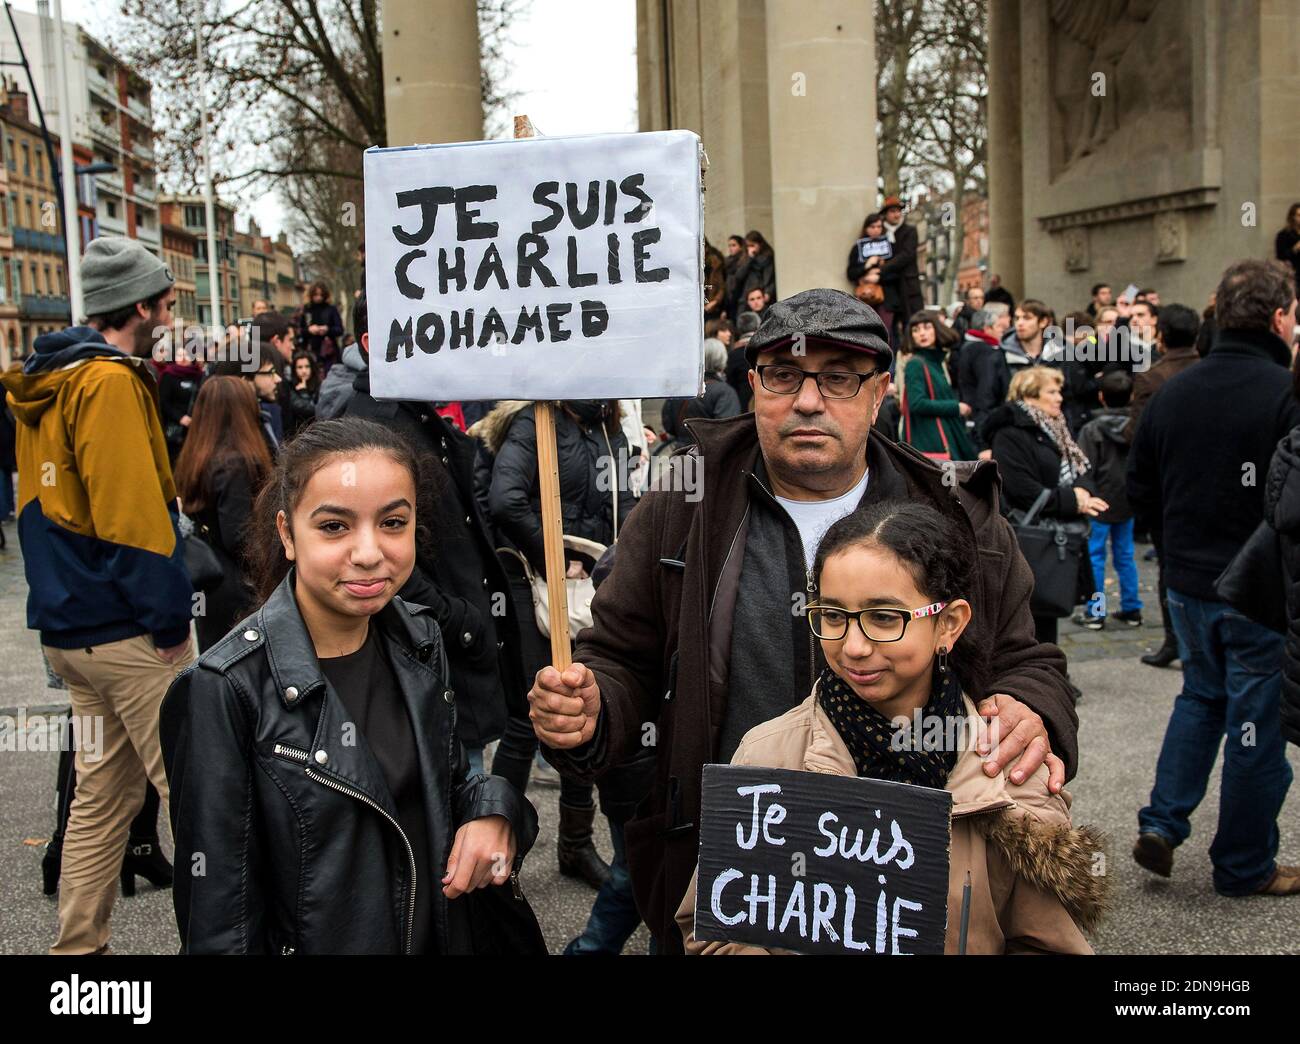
139	110
101	86
105	132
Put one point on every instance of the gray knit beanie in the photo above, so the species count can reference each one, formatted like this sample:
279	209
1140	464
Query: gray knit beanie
117	272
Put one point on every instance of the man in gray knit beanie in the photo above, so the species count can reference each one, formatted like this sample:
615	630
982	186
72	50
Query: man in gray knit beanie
108	588
127	291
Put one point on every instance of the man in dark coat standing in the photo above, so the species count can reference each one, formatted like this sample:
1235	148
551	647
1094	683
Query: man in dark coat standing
899	275
1198	464
463	582
693	641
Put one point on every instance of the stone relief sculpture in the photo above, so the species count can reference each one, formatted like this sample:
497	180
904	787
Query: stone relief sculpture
1112	63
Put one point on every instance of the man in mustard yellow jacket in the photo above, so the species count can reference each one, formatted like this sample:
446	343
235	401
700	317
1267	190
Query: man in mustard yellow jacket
108	588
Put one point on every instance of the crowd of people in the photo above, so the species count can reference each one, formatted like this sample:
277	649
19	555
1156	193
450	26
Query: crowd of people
369	688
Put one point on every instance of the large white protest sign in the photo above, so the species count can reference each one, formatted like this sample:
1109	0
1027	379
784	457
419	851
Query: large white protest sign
542	268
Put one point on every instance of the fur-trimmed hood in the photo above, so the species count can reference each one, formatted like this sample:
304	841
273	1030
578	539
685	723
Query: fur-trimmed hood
493	428
1066	861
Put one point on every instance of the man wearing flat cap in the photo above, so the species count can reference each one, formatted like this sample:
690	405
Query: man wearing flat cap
694	640
107	585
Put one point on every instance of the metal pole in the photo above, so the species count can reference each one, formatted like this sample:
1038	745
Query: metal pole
71	224
214	262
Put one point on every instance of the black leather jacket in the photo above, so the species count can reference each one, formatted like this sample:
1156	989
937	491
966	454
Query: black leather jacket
285	830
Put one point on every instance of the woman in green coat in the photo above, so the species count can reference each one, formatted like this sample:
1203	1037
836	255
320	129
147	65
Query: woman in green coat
934	419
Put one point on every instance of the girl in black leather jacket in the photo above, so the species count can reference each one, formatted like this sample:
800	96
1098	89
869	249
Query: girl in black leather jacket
319	798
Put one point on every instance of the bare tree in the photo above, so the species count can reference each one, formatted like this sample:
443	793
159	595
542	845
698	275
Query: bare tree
296	93
899	40
932	105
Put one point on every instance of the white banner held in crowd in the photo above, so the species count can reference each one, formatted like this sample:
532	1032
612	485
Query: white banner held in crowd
542	268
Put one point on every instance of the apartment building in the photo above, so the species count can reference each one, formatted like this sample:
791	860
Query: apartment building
186	212
180	246
110	109
267	271
33	282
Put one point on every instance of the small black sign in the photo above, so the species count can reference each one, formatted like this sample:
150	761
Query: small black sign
817	863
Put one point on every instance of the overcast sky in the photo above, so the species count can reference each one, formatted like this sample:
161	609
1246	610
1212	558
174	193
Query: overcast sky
573	62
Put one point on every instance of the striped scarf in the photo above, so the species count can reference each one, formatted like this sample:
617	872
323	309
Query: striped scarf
1073	461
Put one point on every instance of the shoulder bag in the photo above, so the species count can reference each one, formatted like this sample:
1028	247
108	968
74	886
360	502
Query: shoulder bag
1054	551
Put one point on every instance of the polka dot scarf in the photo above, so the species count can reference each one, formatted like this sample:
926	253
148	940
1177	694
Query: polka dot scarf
869	735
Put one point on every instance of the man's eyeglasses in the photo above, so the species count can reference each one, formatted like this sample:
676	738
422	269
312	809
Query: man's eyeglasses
831	623
783	379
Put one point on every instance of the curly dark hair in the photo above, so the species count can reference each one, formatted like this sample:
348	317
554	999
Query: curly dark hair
939	555
300	458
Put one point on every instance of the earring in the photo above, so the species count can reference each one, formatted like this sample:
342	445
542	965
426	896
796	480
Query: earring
943	659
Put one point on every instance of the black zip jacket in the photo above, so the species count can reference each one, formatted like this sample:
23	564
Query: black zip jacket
285	810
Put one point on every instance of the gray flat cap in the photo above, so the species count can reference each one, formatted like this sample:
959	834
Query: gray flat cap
826	317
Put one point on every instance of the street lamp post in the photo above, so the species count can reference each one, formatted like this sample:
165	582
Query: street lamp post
71	224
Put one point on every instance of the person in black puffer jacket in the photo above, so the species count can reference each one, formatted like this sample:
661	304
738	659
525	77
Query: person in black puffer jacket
591	450
1263	581
1030	460
1282	512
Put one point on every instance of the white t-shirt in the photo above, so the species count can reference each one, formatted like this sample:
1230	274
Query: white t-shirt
814	517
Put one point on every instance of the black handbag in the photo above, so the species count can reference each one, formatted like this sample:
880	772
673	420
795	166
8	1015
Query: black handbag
1055	551
201	561
502	923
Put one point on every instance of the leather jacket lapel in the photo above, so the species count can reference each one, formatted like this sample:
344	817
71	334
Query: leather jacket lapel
289	649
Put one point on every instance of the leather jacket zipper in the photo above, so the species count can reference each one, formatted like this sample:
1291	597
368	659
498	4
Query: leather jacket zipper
302	755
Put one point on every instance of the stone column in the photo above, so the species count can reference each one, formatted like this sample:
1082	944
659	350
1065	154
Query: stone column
1279	145
431	72
821	118
1005	170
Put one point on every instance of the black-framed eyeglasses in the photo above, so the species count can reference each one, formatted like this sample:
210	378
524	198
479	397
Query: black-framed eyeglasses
880	624
784	379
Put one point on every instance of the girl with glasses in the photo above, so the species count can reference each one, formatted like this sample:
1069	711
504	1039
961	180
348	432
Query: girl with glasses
904	660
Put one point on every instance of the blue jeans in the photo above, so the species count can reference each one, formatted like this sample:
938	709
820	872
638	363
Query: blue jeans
6	493
1121	549
614	915
1231	685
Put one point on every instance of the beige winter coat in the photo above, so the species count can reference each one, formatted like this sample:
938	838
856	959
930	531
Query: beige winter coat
1036	881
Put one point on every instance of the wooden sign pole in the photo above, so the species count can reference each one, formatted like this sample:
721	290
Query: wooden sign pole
548	473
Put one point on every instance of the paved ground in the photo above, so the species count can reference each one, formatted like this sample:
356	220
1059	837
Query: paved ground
1123	716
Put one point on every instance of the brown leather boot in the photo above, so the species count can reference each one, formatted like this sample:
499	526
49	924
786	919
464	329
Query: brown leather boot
1285	881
